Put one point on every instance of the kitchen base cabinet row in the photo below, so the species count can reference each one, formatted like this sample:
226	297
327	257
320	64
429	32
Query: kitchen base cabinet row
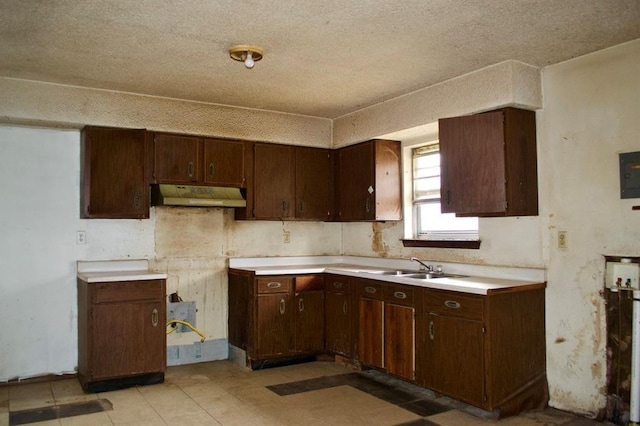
484	350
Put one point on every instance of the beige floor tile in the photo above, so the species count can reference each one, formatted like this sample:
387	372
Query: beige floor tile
270	377
4	419
194	417
389	416
455	417
95	419
144	414
69	390
32	395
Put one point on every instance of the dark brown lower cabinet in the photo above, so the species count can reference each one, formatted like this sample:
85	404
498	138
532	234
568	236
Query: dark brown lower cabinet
338	315
371	332
399	340
309	314
456	348
121	333
273	325
486	350
274	317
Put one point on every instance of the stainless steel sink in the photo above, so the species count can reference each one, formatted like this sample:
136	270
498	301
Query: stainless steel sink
398	273
432	275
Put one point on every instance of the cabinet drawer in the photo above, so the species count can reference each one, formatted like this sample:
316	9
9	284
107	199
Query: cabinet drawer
463	305
399	294
127	291
274	284
309	283
338	285
371	289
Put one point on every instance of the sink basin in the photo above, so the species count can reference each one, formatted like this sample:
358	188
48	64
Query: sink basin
432	275
398	273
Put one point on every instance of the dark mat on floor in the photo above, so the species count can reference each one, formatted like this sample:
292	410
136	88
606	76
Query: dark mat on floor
400	395
58	411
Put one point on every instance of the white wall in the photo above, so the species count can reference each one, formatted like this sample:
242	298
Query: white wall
591	114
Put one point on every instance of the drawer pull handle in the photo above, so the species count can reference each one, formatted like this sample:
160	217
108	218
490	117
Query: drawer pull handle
432	333
400	295
154	318
337	284
211	169
274	284
282	306
452	304
301	304
370	290
190	169
344	307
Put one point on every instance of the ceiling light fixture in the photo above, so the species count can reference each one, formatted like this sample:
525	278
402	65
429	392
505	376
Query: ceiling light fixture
247	54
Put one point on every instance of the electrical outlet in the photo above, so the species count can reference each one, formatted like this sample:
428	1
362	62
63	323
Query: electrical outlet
81	237
563	242
286	236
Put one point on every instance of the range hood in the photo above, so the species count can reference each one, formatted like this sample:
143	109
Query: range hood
196	196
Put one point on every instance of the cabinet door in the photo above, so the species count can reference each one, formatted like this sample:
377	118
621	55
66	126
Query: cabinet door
274	325
115	182
455	358
338	320
370	332
355	182
314	183
176	159
472	163
399	340
273	181
224	163
128	338
309	321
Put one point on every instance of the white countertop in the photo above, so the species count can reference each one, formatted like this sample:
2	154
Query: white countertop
117	270
366	268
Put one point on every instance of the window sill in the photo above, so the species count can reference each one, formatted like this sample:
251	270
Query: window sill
455	244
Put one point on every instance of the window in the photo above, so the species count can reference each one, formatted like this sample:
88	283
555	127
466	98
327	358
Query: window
429	222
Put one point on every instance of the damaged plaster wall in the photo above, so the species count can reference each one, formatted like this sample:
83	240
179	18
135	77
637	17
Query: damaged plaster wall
591	114
193	246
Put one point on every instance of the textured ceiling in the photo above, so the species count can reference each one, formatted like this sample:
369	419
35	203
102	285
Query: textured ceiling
323	58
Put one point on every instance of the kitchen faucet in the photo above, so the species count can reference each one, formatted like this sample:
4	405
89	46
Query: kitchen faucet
424	265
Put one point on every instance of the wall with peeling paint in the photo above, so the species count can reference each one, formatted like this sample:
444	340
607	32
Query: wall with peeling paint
591	114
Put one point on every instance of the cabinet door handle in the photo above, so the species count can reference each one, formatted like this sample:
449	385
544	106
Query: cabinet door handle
211	169
448	196
282	306
301	304
190	169
337	284
301	206
154	318
344	307
400	295
452	304
285	205
432	333
370	290
367	205
274	284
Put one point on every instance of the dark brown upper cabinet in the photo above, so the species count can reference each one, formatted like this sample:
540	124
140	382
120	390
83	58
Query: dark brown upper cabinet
115	179
488	164
274	175
180	159
224	162
313	183
288	183
368	182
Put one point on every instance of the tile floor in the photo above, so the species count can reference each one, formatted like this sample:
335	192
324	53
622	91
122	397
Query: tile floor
222	393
